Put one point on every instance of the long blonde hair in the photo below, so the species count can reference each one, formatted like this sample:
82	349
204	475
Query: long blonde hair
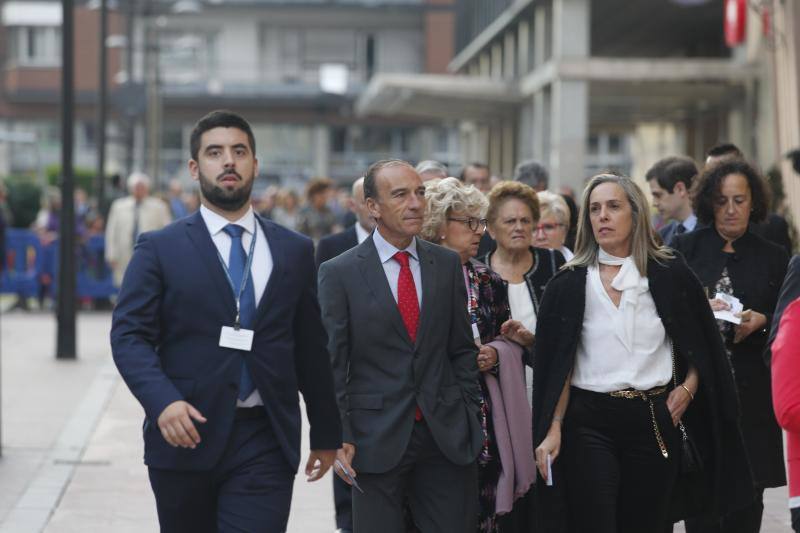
643	242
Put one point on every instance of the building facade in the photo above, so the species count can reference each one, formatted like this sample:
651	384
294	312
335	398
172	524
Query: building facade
293	68
587	85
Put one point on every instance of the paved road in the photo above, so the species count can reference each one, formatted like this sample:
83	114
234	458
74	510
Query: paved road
72	447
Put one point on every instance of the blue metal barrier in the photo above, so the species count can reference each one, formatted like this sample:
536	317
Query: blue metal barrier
31	265
22	263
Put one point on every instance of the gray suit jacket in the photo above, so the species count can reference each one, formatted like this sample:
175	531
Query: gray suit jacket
380	375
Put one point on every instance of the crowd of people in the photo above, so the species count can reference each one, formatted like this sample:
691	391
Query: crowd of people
475	354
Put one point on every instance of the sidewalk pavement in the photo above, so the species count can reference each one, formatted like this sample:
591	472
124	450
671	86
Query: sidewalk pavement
72	448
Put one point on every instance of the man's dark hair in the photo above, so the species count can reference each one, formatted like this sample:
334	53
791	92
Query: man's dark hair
707	187
725	150
670	170
533	174
370	187
219	119
480	166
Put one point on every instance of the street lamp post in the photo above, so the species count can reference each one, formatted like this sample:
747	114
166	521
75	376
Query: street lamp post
65	338
102	95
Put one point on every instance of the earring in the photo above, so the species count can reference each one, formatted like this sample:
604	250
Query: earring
442	237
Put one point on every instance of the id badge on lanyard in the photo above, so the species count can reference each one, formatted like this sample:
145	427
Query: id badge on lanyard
235	336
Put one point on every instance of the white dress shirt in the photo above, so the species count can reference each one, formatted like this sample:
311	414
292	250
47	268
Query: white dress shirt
260	270
690	223
361	233
391	267
621	347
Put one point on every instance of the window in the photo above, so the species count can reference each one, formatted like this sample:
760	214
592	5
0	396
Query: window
187	57
36	46
329	46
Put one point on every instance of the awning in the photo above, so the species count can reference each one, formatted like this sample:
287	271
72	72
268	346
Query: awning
32	14
437	96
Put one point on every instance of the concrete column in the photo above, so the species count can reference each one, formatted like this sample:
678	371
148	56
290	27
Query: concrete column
497	61
322	150
485	65
509	55
508	159
540	46
569	131
570	28
540	131
523	47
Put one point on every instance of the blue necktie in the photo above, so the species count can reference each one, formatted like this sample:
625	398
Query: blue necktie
237	260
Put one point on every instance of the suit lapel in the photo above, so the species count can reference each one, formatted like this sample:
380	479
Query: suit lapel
201	239
278	262
428	274
375	277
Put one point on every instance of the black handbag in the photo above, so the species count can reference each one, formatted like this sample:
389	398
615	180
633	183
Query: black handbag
691	493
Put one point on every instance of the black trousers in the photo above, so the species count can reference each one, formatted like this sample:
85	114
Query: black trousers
745	520
248	491
617	479
442	496
343	501
795	519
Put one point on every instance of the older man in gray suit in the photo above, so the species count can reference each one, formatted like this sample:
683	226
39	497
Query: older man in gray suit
405	366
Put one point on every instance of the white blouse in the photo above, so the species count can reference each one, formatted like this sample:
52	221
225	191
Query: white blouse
621	347
519	300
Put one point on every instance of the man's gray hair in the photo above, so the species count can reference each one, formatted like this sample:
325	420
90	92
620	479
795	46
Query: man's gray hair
136	178
533	174
429	166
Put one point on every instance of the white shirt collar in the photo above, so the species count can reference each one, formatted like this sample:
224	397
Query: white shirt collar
361	233
386	250
215	222
690	222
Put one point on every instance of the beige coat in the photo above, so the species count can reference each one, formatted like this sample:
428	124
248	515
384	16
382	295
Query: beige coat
153	215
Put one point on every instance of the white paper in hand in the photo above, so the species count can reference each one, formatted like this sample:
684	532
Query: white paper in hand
549	471
729	315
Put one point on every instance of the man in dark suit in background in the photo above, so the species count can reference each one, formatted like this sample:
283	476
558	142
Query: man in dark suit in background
670	180
328	248
216	329
404	363
333	245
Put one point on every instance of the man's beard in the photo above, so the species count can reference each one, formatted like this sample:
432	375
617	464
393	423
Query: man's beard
226	199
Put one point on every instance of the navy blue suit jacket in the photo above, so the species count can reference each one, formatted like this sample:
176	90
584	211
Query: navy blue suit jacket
165	340
331	246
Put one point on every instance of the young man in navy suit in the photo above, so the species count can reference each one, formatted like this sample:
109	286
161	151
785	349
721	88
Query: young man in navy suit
216	330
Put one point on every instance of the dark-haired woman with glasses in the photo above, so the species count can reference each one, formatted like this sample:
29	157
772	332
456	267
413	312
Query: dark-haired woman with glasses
455	218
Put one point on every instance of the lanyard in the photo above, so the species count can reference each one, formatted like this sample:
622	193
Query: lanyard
245	275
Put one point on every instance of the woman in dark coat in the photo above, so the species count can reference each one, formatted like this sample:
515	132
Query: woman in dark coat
732	260
701	394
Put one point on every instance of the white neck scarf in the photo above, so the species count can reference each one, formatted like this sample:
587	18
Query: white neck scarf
630	283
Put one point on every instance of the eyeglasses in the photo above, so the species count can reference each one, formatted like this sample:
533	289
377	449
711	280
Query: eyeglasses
474	224
547	228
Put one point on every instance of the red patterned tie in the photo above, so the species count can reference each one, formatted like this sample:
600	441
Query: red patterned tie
408	303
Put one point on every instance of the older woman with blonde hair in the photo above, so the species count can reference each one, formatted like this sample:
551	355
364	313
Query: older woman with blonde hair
455	218
551	231
627	353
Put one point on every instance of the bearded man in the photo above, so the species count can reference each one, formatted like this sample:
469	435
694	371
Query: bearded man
216	330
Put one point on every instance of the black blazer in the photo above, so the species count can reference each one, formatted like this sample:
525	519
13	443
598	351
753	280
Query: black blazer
712	418
330	246
756	270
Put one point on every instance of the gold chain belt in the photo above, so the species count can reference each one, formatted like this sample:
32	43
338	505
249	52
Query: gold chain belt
647	396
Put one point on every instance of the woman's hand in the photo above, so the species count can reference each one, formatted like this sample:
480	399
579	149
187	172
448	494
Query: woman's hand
513	330
719	305
678	401
751	321
487	358
551	445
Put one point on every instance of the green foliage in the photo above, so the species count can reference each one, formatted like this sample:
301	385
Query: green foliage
84	177
24	200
